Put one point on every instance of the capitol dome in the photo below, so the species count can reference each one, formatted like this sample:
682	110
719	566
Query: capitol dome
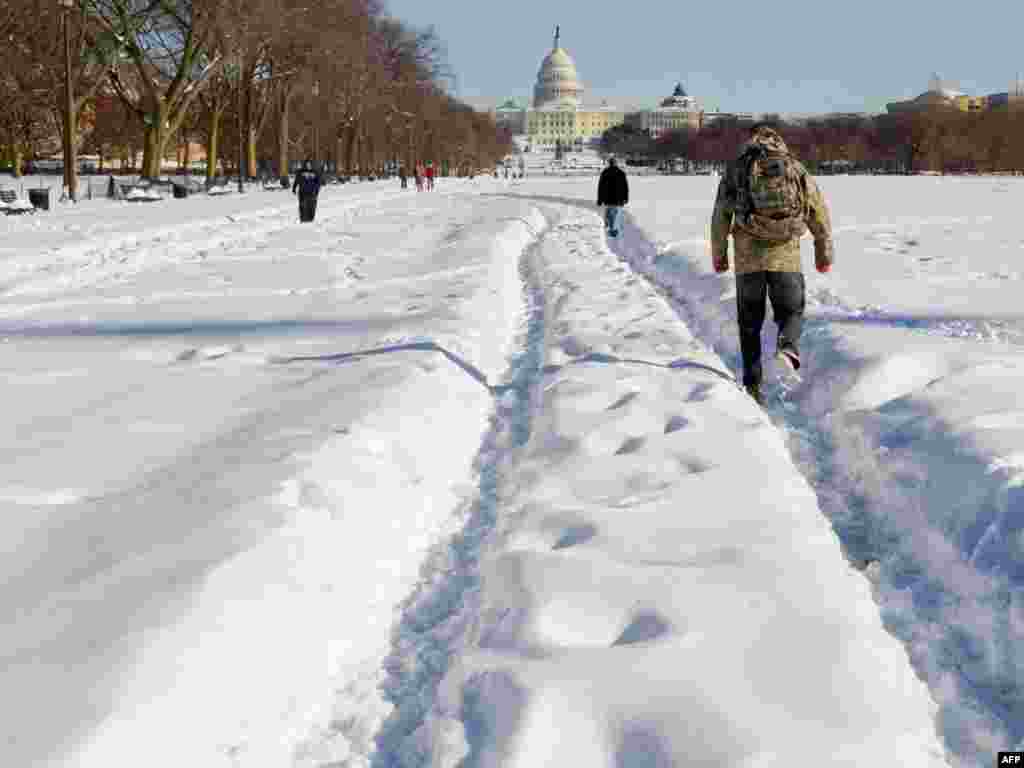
557	81
679	99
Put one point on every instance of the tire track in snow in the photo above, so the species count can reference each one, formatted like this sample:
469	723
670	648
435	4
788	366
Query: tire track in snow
438	615
866	499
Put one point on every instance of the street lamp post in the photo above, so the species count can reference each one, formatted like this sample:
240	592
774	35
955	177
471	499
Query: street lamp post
316	124
70	156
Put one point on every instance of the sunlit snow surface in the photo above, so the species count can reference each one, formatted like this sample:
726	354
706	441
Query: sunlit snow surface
535	522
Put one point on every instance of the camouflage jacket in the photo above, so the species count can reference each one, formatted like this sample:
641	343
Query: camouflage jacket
753	254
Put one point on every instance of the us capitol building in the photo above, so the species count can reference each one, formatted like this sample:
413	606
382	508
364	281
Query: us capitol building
559	115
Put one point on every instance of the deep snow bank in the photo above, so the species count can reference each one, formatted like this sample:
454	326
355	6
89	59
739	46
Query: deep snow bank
662	588
229	602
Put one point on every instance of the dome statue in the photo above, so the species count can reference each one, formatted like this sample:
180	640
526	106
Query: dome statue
557	81
678	99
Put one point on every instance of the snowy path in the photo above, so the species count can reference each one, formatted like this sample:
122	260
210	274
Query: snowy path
659	587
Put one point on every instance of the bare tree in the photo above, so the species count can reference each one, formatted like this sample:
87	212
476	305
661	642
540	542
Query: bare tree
164	59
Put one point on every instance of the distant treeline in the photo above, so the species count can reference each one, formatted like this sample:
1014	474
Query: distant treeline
945	140
257	83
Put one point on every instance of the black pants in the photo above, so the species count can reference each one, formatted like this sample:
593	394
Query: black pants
307	207
785	290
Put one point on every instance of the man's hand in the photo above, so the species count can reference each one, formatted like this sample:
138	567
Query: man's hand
823	255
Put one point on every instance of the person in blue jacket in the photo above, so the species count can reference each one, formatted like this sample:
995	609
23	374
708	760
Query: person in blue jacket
307	183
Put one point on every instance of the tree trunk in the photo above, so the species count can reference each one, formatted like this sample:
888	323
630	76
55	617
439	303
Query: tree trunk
282	134
360	152
350	151
188	154
213	144
154	140
250	153
17	157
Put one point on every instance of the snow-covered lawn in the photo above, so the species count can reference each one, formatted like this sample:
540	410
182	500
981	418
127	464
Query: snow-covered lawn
533	520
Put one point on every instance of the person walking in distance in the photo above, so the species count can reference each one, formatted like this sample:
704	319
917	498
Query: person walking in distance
767	200
307	184
403	177
430	175
613	193
419	177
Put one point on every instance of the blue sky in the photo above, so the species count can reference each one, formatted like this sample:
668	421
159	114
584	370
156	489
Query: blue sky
791	56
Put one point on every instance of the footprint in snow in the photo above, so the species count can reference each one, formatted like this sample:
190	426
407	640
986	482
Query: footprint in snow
645	626
701	393
624	400
574	535
631	445
675	424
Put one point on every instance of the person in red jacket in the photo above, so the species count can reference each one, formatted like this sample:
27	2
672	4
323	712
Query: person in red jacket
430	175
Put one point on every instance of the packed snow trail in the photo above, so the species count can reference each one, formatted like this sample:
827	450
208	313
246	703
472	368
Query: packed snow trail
203	546
435	617
660	587
906	423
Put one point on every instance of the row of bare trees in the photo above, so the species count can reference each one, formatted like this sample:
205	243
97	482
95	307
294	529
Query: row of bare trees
945	140
266	81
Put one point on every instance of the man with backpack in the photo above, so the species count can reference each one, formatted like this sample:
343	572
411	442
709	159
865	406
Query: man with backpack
613	192
767	200
307	183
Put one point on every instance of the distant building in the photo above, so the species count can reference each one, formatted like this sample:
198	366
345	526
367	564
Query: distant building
511	116
710	117
941	96
559	114
1011	98
676	112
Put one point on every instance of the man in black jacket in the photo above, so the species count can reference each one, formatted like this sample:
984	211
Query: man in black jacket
613	192
307	182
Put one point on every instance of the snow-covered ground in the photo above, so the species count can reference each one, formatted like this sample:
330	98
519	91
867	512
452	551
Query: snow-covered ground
533	521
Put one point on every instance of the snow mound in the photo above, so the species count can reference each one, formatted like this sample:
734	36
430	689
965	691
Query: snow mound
144	195
18	205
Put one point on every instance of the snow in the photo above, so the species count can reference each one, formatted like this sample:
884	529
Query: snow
448	479
147	195
18	205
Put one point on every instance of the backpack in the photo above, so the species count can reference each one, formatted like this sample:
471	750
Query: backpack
770	195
